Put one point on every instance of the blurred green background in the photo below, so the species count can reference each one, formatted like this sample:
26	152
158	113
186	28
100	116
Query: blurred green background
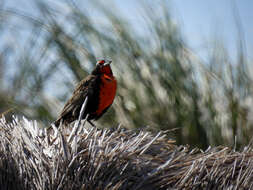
163	83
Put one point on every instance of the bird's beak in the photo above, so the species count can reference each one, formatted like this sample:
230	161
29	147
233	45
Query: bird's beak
108	62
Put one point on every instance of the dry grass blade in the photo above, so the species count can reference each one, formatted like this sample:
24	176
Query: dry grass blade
5	112
114	159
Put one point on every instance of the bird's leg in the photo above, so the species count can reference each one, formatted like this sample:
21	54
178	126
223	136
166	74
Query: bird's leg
93	125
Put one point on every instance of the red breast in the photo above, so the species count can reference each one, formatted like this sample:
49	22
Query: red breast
107	92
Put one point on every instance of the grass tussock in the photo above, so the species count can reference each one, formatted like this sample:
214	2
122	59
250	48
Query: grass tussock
92	158
162	82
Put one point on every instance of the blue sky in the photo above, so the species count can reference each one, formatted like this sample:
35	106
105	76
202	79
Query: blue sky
200	21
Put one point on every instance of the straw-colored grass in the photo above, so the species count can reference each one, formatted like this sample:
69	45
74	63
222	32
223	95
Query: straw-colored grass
113	159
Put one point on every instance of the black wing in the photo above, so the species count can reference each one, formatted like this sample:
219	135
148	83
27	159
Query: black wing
75	102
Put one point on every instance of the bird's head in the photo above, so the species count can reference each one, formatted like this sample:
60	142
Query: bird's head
103	67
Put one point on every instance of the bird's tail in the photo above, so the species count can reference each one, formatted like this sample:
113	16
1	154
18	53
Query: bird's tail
56	123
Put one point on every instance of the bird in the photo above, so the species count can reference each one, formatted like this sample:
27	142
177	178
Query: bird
99	88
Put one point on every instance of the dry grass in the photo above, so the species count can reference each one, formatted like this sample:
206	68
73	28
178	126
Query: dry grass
113	159
206	92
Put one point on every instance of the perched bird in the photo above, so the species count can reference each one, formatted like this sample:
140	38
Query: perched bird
100	88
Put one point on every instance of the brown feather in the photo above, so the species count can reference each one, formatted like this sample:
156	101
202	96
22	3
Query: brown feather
73	105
